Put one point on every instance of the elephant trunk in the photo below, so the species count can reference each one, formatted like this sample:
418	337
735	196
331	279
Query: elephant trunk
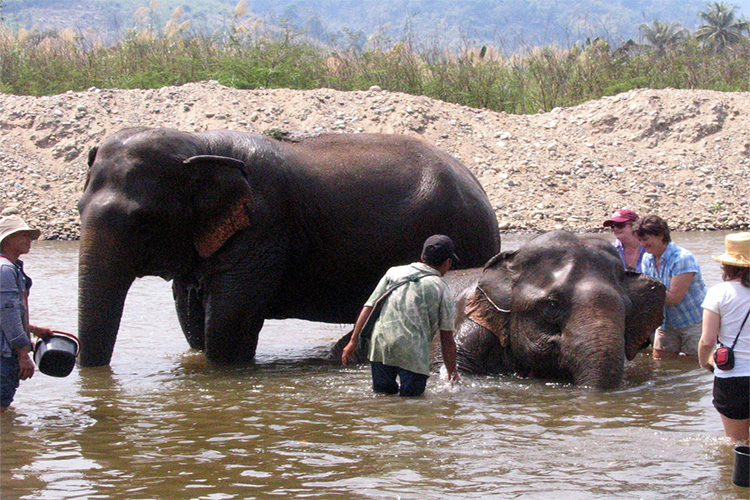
594	351
103	284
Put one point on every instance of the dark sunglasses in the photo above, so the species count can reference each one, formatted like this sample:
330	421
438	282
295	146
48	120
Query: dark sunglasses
619	225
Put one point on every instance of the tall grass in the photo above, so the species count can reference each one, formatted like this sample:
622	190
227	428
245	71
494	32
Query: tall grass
242	56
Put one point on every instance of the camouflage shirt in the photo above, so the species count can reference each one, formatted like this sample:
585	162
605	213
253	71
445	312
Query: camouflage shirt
410	317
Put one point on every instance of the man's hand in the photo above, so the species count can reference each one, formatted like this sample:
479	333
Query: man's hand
448	347
25	366
348	352
41	331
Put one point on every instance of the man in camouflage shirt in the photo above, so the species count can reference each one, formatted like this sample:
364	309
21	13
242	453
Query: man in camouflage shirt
411	314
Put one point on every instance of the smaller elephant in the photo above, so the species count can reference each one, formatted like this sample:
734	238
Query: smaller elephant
559	307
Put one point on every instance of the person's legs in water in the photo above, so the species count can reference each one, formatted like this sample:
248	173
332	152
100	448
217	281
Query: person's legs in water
732	401
412	384
384	378
8	381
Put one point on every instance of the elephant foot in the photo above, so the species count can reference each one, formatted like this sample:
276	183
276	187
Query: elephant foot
238	349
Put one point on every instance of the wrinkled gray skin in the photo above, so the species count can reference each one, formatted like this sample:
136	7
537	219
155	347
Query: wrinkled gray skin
559	307
248	227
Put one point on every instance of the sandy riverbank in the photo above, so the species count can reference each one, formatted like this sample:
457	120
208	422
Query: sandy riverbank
684	154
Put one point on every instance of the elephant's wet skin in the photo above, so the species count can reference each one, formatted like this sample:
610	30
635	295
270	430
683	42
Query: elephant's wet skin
248	228
560	307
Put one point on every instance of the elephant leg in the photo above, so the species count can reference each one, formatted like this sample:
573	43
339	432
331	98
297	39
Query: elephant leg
237	288
248	342
231	332
236	305
190	313
479	351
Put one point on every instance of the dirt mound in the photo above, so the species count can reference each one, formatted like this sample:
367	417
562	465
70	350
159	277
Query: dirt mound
683	154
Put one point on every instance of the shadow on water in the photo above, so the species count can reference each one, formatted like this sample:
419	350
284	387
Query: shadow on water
161	422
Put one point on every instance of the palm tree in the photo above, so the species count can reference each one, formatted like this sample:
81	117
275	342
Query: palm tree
661	36
722	27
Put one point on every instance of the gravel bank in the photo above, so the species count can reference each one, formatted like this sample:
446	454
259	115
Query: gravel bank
683	154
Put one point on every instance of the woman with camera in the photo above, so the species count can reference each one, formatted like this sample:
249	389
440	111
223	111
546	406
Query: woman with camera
725	322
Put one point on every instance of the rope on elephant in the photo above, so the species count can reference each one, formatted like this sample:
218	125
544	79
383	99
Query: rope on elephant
500	309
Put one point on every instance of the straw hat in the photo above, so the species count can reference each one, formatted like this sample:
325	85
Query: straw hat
738	250
14	224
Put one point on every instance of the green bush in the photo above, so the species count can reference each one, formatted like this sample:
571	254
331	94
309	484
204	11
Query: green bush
539	79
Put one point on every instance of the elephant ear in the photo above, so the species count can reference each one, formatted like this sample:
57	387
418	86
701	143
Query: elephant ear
223	200
92	155
91	159
489	304
647	311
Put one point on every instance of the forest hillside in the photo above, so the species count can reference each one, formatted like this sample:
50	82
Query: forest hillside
505	23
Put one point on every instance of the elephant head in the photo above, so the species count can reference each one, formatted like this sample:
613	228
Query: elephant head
561	306
146	210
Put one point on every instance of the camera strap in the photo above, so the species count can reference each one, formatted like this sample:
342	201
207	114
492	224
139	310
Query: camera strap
741	327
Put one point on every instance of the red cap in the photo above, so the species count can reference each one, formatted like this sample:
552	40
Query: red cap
624	215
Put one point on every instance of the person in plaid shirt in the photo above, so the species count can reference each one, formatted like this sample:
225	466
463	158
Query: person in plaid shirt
679	271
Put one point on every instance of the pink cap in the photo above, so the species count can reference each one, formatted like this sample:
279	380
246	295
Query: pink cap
619	216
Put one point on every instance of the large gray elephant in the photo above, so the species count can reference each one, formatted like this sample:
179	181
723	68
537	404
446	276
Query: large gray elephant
561	307
249	227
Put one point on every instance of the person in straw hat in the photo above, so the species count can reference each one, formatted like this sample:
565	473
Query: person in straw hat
725	311
16	364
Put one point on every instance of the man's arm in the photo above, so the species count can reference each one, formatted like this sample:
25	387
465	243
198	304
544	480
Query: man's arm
678	287
448	346
348	351
11	309
40	331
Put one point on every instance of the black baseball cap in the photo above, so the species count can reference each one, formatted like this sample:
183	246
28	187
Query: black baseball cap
437	248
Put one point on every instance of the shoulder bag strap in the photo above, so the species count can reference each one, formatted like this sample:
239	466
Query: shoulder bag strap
741	327
367	329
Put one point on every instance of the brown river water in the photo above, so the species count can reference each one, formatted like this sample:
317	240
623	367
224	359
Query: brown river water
161	423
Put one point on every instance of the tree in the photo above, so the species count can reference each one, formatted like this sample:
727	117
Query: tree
662	36
722	28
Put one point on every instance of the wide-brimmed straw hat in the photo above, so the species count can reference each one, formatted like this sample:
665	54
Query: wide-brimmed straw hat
11	224
738	250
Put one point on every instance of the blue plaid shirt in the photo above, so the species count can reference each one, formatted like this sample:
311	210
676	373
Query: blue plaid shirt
676	260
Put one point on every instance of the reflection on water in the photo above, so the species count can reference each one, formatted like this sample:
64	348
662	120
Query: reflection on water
162	423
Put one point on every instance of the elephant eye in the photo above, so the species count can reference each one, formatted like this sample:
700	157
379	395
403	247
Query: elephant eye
551	309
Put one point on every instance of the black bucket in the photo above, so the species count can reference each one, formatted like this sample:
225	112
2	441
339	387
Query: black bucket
56	355
741	476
